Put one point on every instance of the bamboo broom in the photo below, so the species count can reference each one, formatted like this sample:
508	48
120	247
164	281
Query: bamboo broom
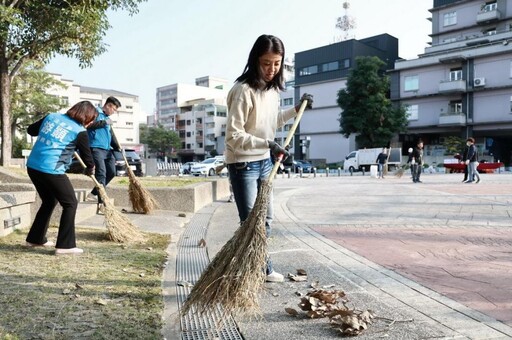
141	199
235	276
119	228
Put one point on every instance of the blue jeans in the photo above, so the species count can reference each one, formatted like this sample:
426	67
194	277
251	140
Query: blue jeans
380	169
245	180
473	172
105	170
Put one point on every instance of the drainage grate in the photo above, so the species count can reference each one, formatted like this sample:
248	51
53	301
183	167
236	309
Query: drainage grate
190	262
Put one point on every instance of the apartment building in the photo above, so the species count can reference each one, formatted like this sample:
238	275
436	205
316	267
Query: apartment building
198	113
462	84
323	72
125	121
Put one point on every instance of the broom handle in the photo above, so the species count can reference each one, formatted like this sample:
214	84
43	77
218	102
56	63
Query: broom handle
288	139
77	156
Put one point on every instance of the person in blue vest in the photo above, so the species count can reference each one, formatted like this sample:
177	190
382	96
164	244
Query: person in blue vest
102	141
58	137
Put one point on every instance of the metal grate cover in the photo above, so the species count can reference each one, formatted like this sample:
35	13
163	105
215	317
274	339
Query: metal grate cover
190	262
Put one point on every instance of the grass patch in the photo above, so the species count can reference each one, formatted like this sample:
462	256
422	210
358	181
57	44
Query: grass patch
110	292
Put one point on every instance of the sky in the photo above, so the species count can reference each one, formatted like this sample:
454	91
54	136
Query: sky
177	41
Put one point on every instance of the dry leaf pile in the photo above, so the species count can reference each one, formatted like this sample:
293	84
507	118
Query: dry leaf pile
321	303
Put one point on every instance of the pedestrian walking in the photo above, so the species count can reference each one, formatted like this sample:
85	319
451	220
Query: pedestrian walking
472	162
417	162
381	161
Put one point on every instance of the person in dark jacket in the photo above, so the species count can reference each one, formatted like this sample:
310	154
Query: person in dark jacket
102	142
463	160
58	136
417	162
381	161
472	161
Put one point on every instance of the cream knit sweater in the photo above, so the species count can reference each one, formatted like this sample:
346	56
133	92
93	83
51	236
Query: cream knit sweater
253	118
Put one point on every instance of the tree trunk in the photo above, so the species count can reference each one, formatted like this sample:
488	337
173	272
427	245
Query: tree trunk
5	86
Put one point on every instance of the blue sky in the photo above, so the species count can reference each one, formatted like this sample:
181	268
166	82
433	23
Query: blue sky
176	41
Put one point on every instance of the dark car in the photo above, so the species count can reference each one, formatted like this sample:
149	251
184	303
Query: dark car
134	162
299	164
132	157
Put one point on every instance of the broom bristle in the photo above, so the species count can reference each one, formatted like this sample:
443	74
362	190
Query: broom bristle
235	276
142	201
119	228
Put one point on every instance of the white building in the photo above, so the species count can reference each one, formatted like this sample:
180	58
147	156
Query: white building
198	113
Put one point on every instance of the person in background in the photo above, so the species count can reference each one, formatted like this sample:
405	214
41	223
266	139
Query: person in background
472	162
102	142
464	157
417	162
58	136
381	161
253	117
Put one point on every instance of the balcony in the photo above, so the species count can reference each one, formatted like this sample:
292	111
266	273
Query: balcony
452	118
452	86
484	17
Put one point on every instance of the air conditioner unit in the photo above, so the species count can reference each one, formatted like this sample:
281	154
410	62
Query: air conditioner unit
479	82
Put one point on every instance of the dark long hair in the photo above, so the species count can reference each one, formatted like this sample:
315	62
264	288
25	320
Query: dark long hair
251	75
83	112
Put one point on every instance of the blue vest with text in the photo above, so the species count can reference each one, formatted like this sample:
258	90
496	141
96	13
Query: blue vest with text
53	151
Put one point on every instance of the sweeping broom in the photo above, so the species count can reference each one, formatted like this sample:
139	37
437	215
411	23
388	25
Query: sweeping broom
119	228
235	276
142	201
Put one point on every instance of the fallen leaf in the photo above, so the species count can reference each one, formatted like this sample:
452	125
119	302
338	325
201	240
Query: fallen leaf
66	291
79	286
202	243
101	302
184	284
291	311
301	272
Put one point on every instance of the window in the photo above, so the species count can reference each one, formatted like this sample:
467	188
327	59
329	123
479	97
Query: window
450	18
306	71
449	40
489	31
411	83
332	66
129	123
455	107
287	101
490	6
455	74
345	63
129	107
510	104
189	134
129	139
412	112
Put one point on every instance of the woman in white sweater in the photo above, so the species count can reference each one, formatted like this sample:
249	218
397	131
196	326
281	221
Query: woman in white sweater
253	117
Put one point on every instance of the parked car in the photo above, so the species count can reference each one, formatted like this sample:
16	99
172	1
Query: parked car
207	167
134	162
301	164
186	167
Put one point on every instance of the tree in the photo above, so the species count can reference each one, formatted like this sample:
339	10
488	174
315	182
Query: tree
160	139
38	30
367	110
345	23
29	98
453	145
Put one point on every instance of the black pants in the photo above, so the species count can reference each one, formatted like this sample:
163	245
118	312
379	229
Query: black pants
53	189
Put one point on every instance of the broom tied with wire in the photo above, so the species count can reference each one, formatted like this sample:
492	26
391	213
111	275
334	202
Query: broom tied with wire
119	228
235	276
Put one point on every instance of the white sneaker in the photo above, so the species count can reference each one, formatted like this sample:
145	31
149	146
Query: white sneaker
274	277
91	198
69	251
